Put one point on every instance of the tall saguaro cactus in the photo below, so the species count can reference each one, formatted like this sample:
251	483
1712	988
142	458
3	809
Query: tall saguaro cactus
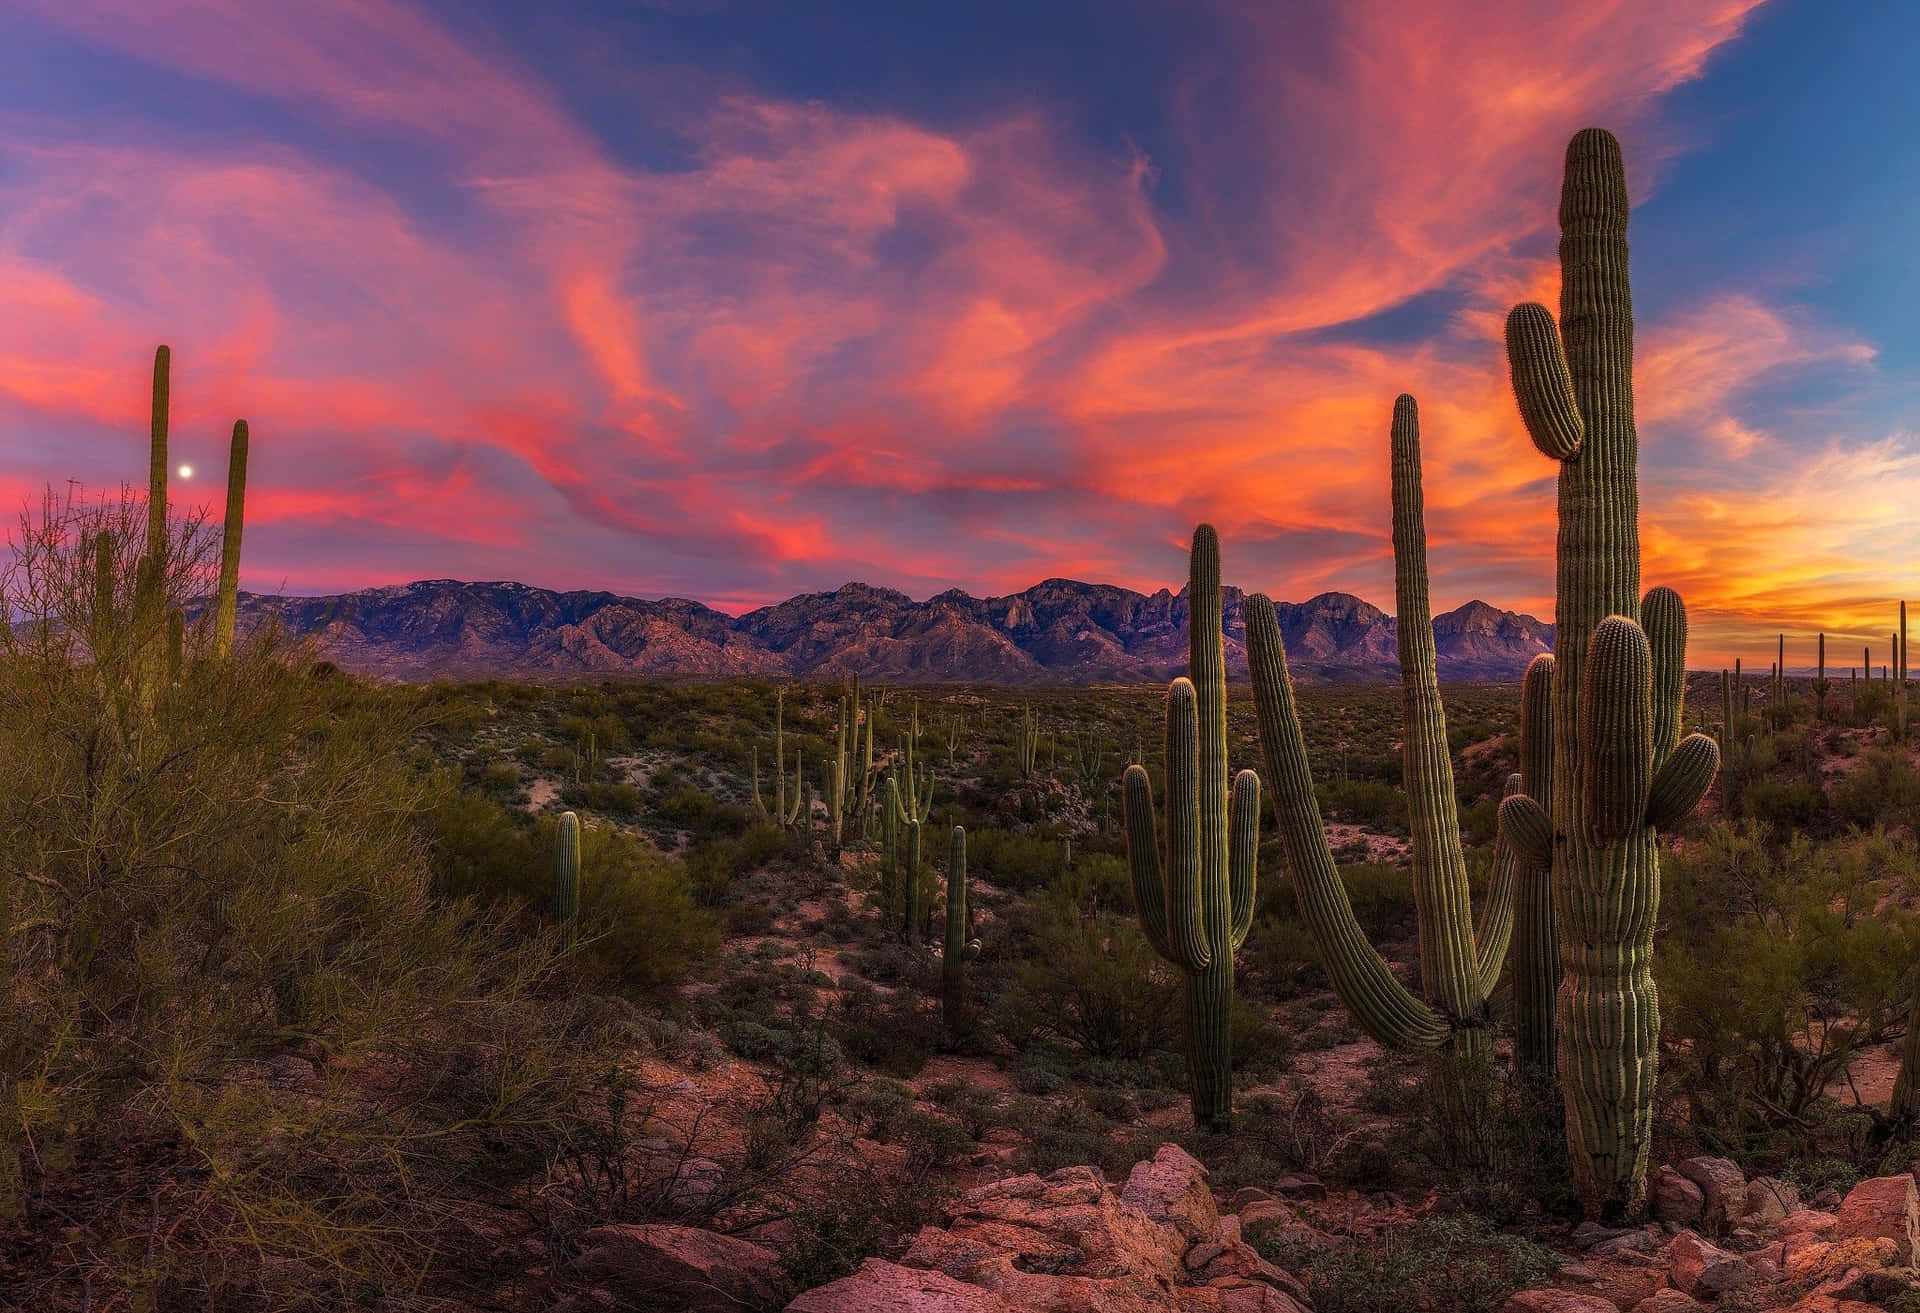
1195	901
157	463
1459	963
227	606
1619	770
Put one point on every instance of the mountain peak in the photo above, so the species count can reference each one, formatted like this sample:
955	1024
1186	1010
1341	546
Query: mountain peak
1060	631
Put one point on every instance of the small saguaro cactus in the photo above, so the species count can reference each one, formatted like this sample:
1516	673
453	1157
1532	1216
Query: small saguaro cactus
1620	771
960	949
1458	963
1821	686
566	870
1196	901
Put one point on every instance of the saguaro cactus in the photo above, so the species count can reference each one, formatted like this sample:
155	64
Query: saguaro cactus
959	949
1458	965
229	597
1196	901
566	870
1618	772
157	463
1820	684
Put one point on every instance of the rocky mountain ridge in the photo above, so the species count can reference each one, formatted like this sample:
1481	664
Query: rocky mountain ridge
1059	631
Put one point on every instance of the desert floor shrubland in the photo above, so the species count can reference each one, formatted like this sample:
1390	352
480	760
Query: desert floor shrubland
291	1022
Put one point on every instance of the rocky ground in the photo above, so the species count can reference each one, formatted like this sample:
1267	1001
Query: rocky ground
1076	1242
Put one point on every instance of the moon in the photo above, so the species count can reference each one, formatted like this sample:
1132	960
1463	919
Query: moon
186	471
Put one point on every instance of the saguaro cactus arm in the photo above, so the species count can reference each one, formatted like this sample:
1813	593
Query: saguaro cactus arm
1243	853
1494	934
1380	1004
1616	731
1143	857
1186	905
1682	781
1542	383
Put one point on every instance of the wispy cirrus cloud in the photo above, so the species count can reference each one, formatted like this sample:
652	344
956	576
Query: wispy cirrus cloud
838	340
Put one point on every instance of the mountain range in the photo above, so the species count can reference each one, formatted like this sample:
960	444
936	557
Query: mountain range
1057	632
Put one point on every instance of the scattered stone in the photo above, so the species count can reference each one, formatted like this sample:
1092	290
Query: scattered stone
1557	1301
1264	1212
1886	1206
1723	1187
1300	1186
1704	1270
705	1271
1669	1301
1248	1194
1677	1200
1769	1200
883	1287
1589	1234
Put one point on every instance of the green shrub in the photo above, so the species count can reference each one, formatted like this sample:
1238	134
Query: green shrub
1457	1263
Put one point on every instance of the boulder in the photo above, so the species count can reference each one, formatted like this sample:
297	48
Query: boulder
1705	1270
1172	1188
1299	1185
702	1270
1552	1300
1770	1200
1723	1187
1885	1207
1263	1213
1677	1200
1669	1301
883	1287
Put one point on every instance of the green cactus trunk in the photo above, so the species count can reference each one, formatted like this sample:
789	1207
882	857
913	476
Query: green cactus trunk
157	463
566	872
227	607
1617	772
912	882
1536	966
959	950
1195	902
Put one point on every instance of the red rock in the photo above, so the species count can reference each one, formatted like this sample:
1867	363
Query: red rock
1770	1201
883	1287
1172	1188
710	1273
1669	1301
1705	1270
1885	1207
1676	1199
1723	1187
1551	1300
1264	1212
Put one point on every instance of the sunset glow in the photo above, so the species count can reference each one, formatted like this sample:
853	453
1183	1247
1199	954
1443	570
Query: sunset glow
726	302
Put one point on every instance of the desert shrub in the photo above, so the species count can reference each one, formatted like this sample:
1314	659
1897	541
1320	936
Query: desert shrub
1457	1262
1094	983
895	1033
1789	805
1883	789
1020	862
638	918
1775	966
212	861
1374	804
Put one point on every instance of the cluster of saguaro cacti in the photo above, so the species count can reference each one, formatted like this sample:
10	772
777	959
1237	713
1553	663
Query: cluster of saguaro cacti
1195	901
1620	772
163	650
1458	963
960	948
1028	741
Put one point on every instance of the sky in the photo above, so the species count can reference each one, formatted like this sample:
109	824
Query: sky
734	300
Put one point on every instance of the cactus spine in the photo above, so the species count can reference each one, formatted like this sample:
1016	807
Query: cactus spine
1618	772
959	949
566	871
1196	901
1457	965
230	530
